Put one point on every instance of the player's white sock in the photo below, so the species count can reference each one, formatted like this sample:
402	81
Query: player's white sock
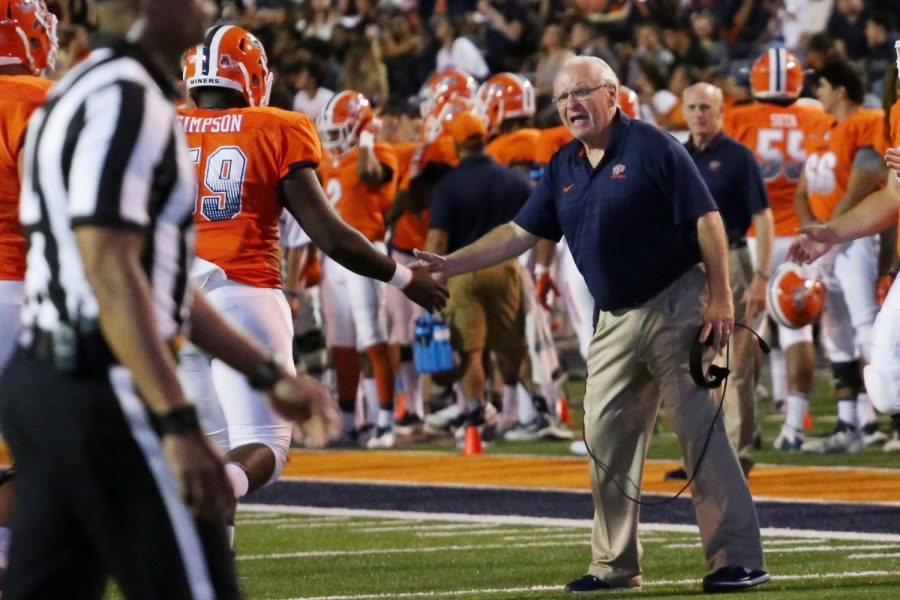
847	411
527	413
778	368
370	393
385	419
865	410
796	412
409	378
509	401
240	484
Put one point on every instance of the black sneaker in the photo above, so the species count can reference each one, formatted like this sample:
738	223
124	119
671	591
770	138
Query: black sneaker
733	579
678	474
588	583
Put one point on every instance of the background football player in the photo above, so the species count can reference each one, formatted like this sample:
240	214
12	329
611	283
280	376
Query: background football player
252	161
27	48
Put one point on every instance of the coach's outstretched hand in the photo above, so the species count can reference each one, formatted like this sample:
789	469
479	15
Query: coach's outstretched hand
812	242
425	289
306	402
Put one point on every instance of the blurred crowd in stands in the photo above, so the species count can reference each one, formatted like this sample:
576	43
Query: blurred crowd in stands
386	49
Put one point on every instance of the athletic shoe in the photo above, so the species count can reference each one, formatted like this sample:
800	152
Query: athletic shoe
779	407
409	425
522	433
551	428
893	444
444	418
872	435
590	583
733	579
383	439
578	448
845	438
787	441
678	474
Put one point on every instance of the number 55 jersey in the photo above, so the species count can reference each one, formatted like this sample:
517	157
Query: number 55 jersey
241	156
779	136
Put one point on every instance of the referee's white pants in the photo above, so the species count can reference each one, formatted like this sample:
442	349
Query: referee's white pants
232	413
352	308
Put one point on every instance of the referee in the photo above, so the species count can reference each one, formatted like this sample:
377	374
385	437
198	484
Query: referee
115	477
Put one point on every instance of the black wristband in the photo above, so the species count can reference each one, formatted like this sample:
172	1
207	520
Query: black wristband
265	375
178	420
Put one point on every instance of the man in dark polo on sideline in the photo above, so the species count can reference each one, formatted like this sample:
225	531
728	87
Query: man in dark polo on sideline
485	309
644	231
733	177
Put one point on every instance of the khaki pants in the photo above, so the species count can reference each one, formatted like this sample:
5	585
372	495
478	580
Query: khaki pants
740	413
637	358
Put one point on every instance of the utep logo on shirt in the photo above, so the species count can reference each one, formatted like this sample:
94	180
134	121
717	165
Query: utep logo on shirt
618	172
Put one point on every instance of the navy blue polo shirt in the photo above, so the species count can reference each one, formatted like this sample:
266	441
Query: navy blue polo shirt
733	177
475	197
631	222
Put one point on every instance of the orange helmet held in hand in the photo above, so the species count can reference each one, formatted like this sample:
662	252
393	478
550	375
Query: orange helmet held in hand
776	75
628	102
504	96
27	35
231	57
445	86
342	120
793	299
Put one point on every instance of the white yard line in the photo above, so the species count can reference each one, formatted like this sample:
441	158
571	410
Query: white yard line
583	524
873	555
417	550
558	587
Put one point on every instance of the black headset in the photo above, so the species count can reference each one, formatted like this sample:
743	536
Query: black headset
715	375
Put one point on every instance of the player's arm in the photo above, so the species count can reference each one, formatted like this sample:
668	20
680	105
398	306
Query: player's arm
801	202
719	316
755	298
302	195
368	167
866	175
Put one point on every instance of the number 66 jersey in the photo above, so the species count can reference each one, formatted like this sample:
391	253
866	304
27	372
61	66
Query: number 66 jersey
241	156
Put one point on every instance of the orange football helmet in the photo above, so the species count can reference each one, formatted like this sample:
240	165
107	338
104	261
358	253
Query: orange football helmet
27	35
628	102
433	125
342	120
231	57
776	75
793	299
504	96
444	86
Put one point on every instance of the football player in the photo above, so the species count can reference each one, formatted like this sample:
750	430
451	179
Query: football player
777	128
27	48
360	179
252	161
840	170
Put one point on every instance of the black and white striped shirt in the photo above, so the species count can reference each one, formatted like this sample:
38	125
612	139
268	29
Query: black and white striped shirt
105	150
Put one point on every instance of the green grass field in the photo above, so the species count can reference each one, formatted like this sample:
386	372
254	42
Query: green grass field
340	557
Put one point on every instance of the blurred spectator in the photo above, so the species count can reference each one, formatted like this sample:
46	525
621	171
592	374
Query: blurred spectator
363	71
682	42
552	56
403	53
458	51
753	23
505	25
879	48
848	23
706	31
584	41
650	51
307	78
318	19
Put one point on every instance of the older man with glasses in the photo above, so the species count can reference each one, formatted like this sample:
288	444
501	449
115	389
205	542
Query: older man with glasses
646	235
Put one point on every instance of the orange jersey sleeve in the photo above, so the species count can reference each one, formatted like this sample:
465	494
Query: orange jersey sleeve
830	161
518	147
441	150
241	156
550	141
779	136
405	152
362	205
20	95
410	230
